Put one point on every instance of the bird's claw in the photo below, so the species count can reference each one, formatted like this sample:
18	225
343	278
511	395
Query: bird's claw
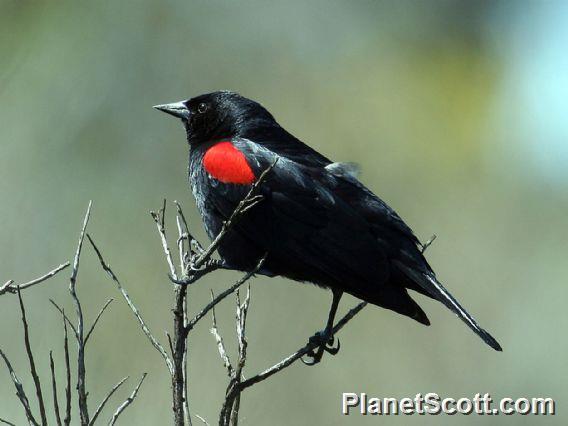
324	342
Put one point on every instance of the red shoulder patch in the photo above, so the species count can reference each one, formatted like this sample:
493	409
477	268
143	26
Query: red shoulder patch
227	164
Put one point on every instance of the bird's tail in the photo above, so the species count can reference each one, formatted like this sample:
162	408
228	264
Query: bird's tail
432	286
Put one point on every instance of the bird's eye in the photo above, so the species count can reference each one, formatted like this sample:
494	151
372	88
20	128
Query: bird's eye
202	108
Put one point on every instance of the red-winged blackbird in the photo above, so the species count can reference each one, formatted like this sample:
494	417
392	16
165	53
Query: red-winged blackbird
317	221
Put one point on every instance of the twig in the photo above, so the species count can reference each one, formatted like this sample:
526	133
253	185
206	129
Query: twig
67	419
81	372
242	311
108	302
105	400
20	391
9	286
286	362
202	419
181	324
33	370
65	317
128	401
224	294
427	243
220	344
190	237
54	389
7	422
159	219
133	308
6	287
179	351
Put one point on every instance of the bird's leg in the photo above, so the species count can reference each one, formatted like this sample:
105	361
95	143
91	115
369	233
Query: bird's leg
324	338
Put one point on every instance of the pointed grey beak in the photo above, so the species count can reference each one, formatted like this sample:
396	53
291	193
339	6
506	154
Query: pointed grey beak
177	109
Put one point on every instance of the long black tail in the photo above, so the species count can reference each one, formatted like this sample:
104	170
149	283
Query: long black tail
432	286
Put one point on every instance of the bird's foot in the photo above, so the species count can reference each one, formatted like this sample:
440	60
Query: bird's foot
322	341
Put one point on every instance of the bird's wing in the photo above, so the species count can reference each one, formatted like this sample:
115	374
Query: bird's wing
283	144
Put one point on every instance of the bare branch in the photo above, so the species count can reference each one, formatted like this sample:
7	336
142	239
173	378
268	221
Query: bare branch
54	389
194	275
128	401
6	287
190	237
224	294
427	243
67	419
133	308
20	391
7	422
179	349
33	370
159	219
105	400
65	317
81	372
9	286
302	351
202	419
108	302
220	344
234	391
242	310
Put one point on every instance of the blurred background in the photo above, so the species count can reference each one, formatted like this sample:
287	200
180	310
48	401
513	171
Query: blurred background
456	111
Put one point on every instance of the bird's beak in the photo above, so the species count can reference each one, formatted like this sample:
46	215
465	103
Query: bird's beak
177	109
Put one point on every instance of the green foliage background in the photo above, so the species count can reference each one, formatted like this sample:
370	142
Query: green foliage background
448	106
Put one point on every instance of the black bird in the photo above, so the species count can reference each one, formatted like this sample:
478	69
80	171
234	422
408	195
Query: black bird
317	221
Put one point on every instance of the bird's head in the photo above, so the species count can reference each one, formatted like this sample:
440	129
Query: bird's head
218	115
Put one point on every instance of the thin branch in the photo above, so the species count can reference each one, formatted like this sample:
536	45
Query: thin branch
81	371
179	350
54	389
67	419
302	351
33	370
105	400
190	237
7	422
242	311
133	308
220	344
65	317
20	391
224	294
159	219
10	287
128	401
428	243
250	200
194	275
234	391
6	287
108	302
202	419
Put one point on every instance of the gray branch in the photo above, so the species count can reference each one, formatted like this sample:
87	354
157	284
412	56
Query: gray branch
105	400
133	308
21	394
128	401
81	372
10	287
29	352
236	389
54	389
